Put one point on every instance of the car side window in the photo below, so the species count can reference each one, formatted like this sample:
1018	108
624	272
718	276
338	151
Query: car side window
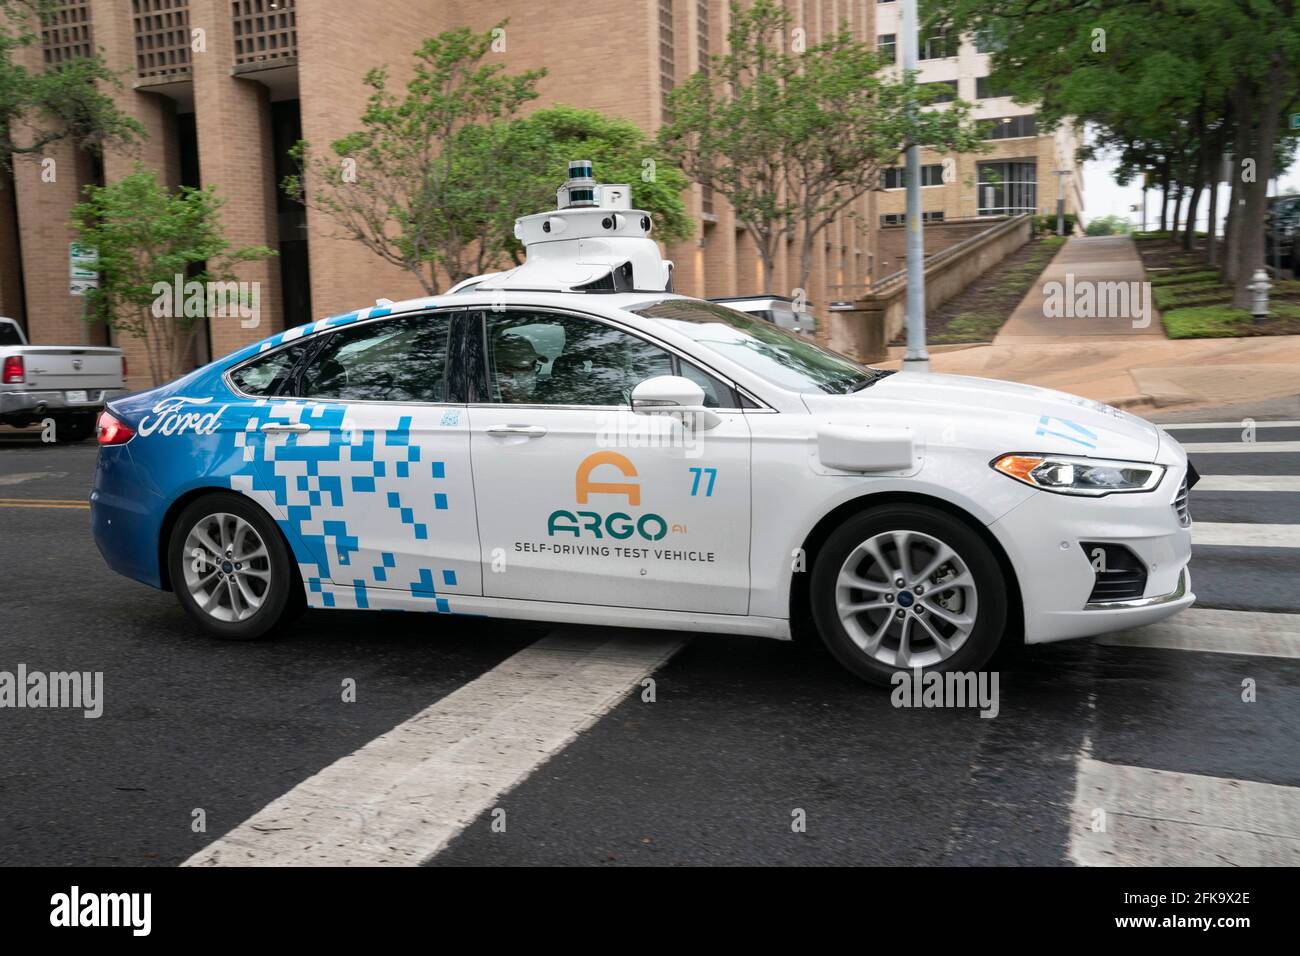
717	393
544	358
392	360
268	376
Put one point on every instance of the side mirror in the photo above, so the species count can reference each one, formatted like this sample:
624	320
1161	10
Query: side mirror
673	395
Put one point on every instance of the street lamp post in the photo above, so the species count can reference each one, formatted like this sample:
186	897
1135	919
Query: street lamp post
916	359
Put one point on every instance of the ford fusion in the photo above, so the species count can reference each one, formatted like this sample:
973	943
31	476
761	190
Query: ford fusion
570	441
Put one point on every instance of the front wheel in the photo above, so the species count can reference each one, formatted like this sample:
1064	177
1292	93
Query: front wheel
231	570
902	587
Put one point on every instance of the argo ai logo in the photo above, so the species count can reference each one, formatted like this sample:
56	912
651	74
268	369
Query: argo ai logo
173	416
618	524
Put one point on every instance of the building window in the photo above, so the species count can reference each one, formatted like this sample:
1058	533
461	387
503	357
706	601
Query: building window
986	87
1007	189
702	33
887	47
1010	127
264	30
944	91
936	46
162	37
65	31
895	177
667	65
900	218
986	43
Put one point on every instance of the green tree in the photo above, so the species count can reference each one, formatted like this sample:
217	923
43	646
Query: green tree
393	185
488	195
63	101
791	139
149	239
1108	226
1171	85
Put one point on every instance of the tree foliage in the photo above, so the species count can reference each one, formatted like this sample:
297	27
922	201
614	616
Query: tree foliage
792	137
145	236
65	101
393	184
1171	88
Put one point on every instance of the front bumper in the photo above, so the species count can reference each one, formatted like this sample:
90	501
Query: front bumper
55	400
1043	538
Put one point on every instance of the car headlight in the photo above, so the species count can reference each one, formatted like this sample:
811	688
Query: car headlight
1092	477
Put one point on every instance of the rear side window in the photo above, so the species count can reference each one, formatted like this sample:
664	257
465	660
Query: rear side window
271	374
392	360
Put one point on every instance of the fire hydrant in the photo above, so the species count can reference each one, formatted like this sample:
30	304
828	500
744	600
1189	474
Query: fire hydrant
1259	286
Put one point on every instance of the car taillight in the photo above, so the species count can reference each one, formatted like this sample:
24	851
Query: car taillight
112	431
14	373
124	373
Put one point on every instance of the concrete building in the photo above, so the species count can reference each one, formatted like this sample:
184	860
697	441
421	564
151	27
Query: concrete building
226	87
1017	174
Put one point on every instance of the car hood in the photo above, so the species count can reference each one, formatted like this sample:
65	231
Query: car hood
995	416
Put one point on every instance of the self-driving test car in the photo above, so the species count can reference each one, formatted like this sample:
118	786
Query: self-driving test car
570	441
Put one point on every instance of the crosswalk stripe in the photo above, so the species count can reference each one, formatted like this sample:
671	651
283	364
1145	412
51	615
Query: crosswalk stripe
1248	483
1189	426
1134	816
1243	535
1253	633
400	798
1239	447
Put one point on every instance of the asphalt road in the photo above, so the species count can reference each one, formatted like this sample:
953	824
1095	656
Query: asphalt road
743	737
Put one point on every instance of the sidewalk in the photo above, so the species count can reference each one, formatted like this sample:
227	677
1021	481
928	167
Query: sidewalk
1109	360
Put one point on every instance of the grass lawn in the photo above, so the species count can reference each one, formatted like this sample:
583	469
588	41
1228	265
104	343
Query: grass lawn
1194	302
983	307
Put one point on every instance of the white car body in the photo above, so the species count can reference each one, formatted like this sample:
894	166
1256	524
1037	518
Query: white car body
775	487
810	490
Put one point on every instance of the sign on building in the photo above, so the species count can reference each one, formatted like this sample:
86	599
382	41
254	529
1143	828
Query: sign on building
82	272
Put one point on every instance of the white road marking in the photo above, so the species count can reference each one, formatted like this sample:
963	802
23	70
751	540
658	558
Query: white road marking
19	478
1238	424
1165	818
402	797
1255	633
1242	535
1247	483
1238	447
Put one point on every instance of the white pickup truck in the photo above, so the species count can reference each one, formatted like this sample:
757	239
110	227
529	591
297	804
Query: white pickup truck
66	383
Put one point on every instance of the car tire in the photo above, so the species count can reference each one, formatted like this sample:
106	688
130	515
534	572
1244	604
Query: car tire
858	568
245	589
70	430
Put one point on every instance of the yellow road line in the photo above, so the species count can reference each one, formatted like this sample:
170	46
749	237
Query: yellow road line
58	503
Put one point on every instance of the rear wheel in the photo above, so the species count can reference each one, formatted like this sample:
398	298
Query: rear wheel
902	587
231	570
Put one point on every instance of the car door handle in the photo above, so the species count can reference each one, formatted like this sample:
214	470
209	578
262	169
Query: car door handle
530	431
286	427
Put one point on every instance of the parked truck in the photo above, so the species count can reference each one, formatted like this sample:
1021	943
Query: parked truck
67	384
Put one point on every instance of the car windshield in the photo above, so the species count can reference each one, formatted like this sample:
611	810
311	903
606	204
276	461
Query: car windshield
9	334
778	356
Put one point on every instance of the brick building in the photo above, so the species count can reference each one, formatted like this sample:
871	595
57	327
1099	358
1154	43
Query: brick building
225	87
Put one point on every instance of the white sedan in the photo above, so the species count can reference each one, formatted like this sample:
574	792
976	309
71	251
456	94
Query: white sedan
570	442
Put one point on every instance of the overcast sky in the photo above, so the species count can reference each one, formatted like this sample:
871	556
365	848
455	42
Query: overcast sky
1102	197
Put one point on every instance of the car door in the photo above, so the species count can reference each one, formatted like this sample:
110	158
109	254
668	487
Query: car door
582	502
368	460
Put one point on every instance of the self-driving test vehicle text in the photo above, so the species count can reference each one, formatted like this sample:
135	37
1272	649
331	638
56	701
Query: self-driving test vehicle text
571	441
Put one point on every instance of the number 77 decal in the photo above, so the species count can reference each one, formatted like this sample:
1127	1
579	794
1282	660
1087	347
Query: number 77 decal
699	474
1045	420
